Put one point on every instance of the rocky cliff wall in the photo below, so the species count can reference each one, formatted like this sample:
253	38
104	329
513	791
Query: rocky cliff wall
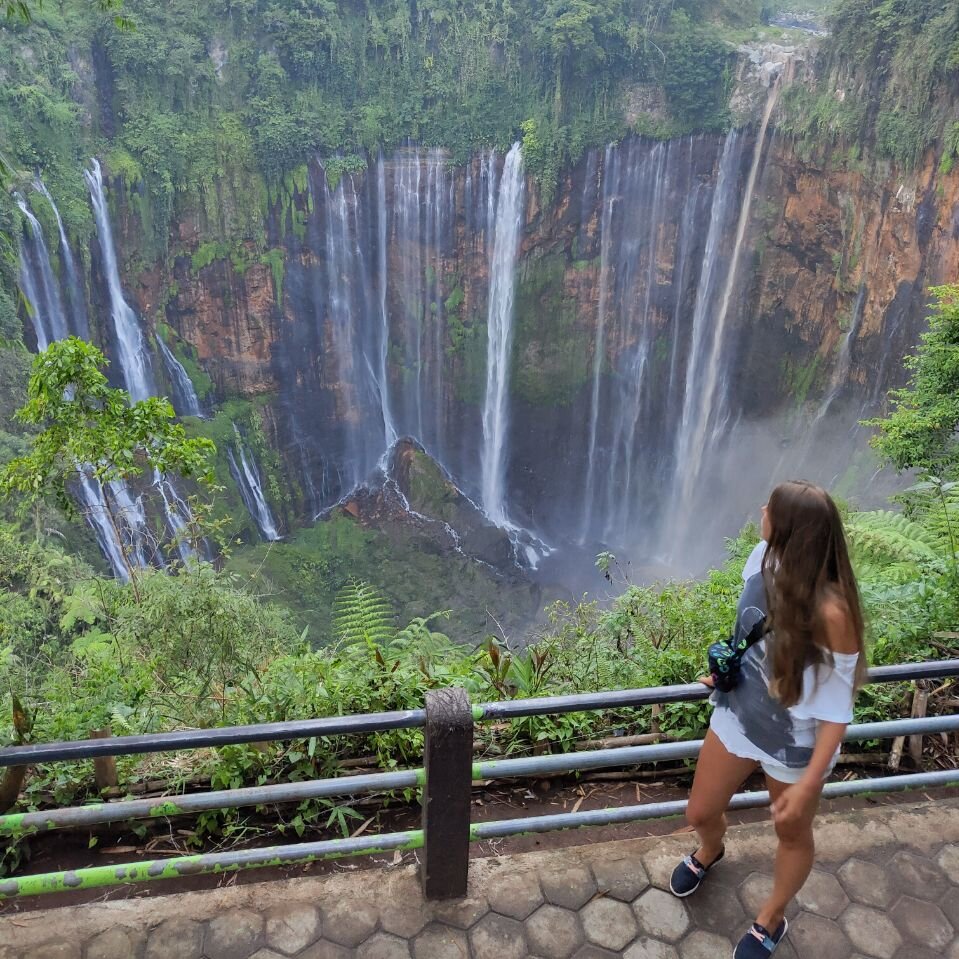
617	290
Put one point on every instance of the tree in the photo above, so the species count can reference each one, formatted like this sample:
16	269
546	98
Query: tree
921	431
89	428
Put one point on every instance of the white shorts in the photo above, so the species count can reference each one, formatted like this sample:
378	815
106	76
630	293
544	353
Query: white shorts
783	774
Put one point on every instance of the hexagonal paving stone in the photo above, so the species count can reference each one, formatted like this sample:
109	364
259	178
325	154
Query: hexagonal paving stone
917	876
822	895
116	943
661	915
646	948
608	923
954	951
554	933
923	923
813	935
948	862
462	913
324	949
403	911
515	895
912	951
348	922
382	945
234	934
622	878
705	945
54	950
291	927
716	908
754	891
263	953
589	951
182	938
438	941
866	882
568	886
496	937
870	931
949	904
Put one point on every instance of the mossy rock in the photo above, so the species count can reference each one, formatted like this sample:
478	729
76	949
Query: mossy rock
551	347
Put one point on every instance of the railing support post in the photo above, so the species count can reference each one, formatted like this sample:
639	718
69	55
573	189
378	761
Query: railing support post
448	765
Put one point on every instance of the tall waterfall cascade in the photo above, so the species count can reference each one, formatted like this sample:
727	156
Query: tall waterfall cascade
134	357
707	393
509	221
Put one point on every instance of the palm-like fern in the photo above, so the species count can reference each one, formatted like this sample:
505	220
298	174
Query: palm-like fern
363	616
889	542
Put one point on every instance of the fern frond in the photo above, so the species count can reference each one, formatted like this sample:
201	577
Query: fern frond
363	616
882	538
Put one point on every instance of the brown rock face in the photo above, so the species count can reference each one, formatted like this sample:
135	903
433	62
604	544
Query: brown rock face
372	321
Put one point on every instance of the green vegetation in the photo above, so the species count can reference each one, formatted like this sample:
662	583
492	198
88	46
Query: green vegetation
921	432
886	78
197	104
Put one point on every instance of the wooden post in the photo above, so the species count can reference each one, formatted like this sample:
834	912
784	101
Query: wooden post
448	764
11	782
104	767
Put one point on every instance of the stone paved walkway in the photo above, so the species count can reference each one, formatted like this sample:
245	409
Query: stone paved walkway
886	886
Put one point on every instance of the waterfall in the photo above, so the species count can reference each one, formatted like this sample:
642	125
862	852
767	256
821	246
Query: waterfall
704	416
177	515
94	508
349	313
188	402
247	478
134	359
610	189
79	325
382	381
39	284
841	371
508	221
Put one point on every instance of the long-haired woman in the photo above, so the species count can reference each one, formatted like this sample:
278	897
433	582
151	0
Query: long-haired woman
789	710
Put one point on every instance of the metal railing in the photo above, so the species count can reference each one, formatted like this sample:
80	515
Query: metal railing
445	780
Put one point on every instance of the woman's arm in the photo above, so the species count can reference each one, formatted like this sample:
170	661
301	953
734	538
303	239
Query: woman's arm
840	637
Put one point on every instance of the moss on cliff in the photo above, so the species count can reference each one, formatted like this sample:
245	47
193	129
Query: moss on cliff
551	346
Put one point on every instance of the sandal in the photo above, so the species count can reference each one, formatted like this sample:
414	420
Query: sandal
759	943
689	874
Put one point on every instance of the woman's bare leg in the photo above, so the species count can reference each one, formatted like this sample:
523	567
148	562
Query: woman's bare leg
718	775
794	860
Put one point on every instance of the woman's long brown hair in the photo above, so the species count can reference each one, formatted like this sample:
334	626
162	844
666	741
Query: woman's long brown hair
806	563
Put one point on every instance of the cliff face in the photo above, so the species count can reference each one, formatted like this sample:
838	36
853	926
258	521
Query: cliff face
644	338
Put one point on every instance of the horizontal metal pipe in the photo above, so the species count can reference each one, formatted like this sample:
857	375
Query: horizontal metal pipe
219	862
621	698
633	755
402	719
210	738
607	817
17	825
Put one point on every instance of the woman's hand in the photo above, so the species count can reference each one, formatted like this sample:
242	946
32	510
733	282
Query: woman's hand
707	681
794	804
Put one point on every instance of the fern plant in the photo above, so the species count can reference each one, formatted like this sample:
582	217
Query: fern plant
362	616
